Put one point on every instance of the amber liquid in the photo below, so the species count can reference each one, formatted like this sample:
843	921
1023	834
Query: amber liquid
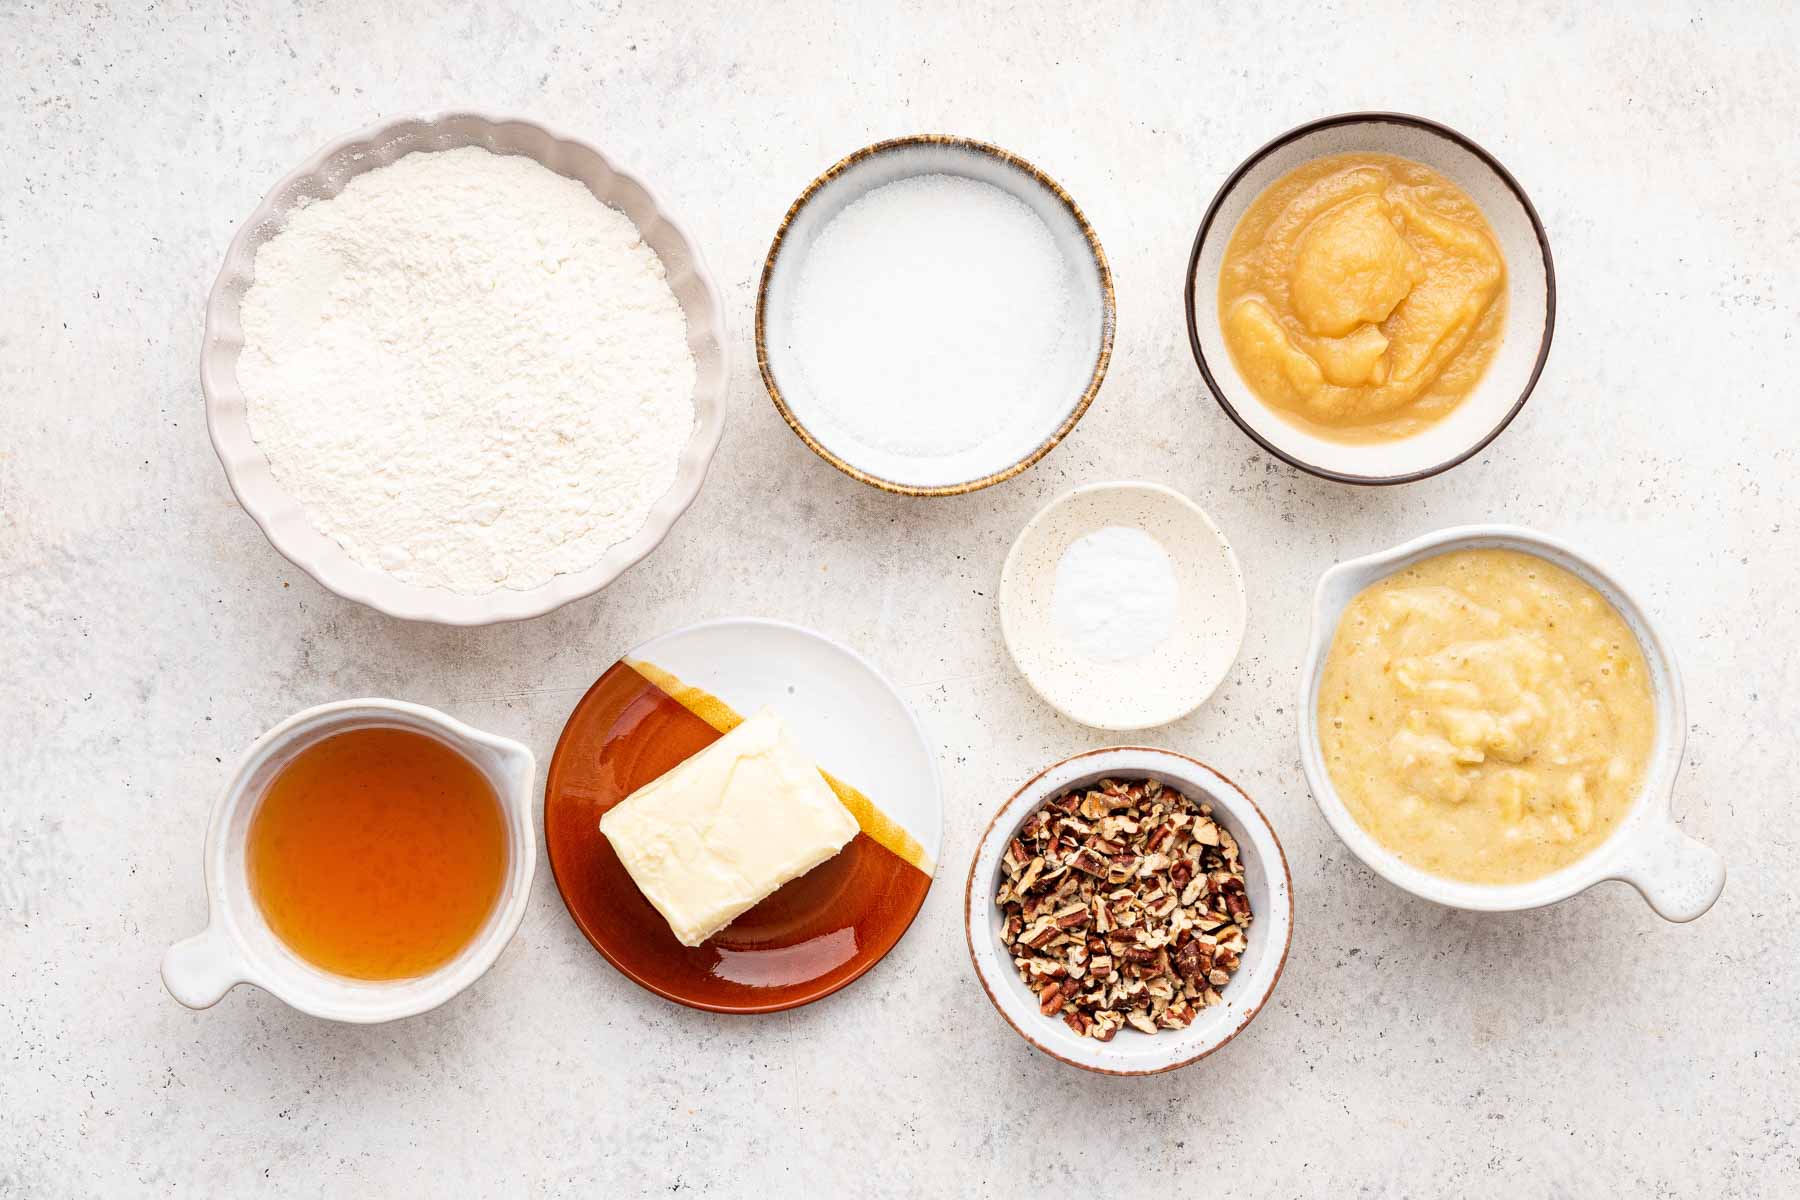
377	853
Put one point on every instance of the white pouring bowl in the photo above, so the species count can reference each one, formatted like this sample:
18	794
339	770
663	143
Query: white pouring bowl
237	945
324	175
1267	882
1678	876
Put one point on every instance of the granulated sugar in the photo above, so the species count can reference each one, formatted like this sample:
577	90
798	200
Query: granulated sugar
931	330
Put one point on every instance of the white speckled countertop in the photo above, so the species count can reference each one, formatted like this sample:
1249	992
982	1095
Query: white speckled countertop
150	632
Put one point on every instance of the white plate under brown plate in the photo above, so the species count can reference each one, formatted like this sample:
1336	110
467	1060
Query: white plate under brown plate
323	176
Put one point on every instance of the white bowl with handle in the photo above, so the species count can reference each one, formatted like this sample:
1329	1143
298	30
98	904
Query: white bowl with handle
237	945
1680	877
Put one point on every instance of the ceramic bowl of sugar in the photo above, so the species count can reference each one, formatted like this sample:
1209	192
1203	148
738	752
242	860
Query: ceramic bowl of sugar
1123	605
935	314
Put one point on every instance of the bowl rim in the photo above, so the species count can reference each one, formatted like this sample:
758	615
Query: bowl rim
1182	499
1251	813
1108	313
1649	814
1358	118
384	593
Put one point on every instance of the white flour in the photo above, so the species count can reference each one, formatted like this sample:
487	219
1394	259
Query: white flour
931	331
467	370
1116	594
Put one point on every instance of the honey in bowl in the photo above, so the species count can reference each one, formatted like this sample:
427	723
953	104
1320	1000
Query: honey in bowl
377	853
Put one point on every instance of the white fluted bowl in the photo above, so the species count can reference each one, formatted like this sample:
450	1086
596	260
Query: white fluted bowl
324	176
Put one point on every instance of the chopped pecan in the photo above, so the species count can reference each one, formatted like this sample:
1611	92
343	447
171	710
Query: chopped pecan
1124	904
1085	859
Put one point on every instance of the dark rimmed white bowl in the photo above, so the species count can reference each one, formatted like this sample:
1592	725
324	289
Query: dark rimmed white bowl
1531	299
1267	882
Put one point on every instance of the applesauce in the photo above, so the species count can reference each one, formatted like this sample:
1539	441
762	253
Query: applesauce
1486	715
1362	296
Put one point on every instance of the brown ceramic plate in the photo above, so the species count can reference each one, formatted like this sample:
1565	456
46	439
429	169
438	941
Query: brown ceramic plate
673	696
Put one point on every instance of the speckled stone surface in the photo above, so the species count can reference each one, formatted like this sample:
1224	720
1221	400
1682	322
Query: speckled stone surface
150	632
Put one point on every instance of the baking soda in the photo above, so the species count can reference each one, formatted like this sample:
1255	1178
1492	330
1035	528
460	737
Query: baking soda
1116	594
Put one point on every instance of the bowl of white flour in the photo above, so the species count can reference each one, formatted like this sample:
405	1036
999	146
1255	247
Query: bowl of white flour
935	315
462	369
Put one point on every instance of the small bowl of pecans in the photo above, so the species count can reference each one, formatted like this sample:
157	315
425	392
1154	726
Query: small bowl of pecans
1129	910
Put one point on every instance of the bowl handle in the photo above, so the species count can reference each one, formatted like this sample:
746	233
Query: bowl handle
199	971
1679	876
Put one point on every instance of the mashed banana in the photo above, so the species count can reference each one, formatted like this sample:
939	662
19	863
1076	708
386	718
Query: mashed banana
1486	715
1362	295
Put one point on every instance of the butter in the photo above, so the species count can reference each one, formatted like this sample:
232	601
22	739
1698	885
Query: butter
716	835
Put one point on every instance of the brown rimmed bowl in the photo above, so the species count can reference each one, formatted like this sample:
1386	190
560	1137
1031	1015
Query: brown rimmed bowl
854	177
1266	879
1531	300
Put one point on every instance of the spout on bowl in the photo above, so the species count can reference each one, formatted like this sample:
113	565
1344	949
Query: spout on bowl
1680	878
199	971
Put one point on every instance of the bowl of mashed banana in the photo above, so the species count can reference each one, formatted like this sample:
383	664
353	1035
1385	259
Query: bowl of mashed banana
1490	721
1371	298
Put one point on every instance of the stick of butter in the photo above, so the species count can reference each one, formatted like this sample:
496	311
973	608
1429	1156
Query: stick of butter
717	834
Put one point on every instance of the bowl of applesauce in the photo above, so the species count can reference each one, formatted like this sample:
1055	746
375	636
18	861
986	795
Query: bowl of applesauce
1371	298
1490	721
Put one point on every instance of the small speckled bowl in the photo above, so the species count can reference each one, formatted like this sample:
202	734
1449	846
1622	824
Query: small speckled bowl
848	181
1267	883
1530	283
324	175
1680	877
1152	689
